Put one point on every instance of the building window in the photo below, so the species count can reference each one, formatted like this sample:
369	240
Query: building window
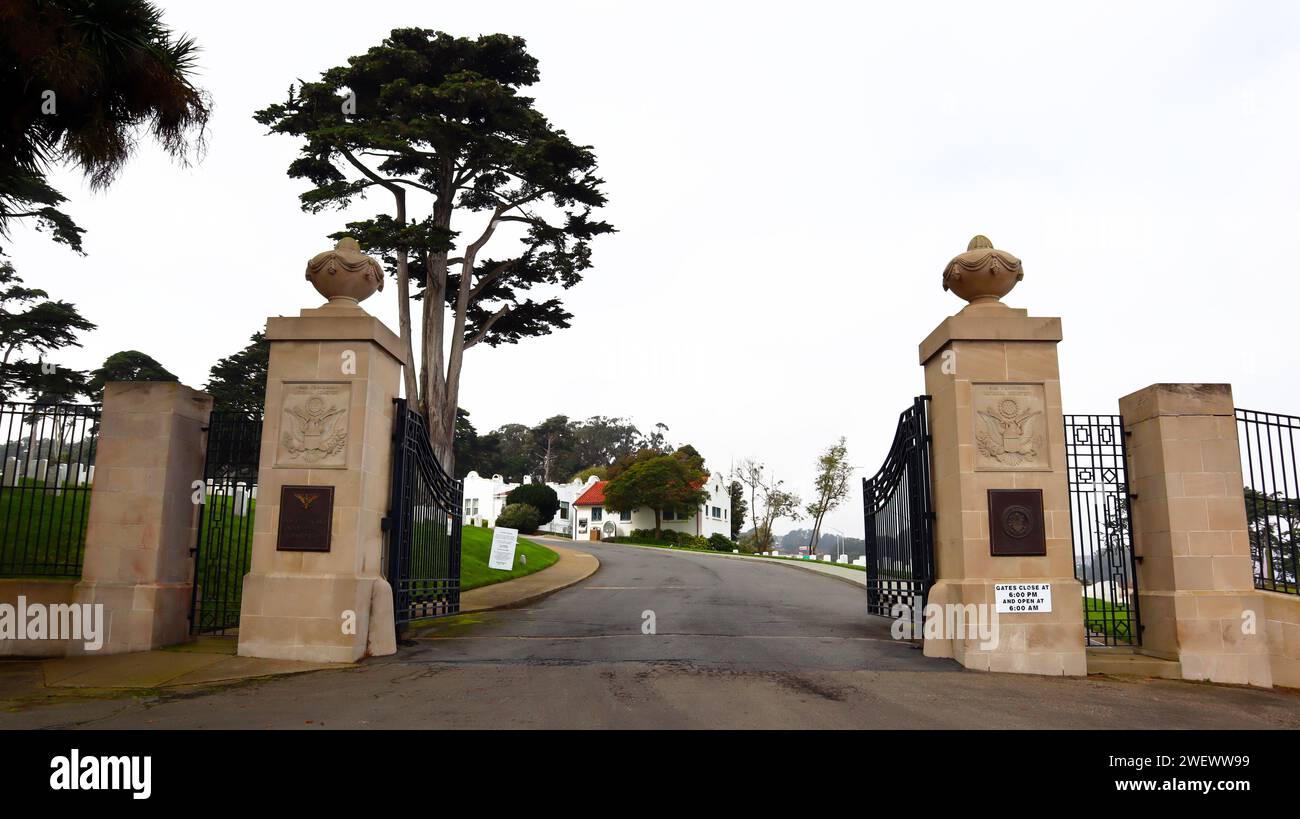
670	514
625	517
471	507
564	511
597	513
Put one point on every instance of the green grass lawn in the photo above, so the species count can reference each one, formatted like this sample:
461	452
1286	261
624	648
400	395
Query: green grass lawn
42	534
1104	617
476	545
224	557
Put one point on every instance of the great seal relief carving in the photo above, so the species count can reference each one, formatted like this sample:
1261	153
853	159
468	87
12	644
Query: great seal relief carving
1010	426
314	425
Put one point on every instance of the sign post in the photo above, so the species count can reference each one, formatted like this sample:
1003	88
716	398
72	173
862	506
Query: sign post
504	541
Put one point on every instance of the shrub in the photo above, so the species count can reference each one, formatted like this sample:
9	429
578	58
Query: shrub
519	516
539	496
695	542
720	543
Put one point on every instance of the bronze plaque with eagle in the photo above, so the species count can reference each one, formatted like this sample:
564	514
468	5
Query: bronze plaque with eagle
306	513
1016	523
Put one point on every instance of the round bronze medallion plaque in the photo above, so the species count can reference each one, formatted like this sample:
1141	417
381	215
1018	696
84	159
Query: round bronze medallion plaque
1016	521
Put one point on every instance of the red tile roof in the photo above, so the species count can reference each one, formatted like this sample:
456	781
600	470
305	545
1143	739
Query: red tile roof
595	496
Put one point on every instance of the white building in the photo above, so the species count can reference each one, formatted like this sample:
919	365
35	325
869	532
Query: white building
486	497
712	517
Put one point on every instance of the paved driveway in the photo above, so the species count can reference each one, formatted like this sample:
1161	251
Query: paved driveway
735	644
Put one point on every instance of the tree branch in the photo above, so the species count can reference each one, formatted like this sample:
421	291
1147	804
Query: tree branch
359	165
491	276
487	325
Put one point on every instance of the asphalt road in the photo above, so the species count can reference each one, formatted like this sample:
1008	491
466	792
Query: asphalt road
736	644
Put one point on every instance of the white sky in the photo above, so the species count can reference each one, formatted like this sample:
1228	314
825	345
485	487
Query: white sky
788	181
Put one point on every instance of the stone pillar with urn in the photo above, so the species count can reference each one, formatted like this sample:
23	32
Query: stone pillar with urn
999	476
316	590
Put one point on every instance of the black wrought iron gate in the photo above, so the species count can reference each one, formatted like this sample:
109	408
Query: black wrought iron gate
223	549
1101	527
900	519
423	525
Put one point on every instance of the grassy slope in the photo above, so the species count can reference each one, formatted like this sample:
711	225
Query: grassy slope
476	544
661	544
41	532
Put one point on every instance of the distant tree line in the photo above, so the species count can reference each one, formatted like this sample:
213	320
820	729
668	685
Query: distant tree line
557	449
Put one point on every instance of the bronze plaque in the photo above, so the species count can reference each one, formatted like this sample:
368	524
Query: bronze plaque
1016	523
306	515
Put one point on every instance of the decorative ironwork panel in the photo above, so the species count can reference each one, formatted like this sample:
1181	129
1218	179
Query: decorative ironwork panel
48	466
223	550
1272	496
899	519
423	525
1101	527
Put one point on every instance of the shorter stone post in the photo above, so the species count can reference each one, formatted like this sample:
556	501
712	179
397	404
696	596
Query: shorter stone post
1195	581
142	518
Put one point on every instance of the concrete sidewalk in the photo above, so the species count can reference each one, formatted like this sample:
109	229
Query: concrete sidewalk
205	662
213	660
855	576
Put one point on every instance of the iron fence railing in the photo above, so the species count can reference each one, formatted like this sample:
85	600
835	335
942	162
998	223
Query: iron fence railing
423	525
48	463
223	549
1272	496
1101	528
899	519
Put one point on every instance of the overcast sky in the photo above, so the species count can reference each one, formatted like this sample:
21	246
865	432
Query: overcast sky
788	182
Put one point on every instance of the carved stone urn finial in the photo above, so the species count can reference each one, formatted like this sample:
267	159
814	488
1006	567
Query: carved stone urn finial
345	275
982	275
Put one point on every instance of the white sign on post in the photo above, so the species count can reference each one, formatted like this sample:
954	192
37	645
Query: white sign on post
1021	598
504	541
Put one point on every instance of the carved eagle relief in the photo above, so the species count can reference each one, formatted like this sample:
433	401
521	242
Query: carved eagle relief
314	430
1008	434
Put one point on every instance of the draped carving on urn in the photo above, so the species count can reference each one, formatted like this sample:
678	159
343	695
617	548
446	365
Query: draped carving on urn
345	273
983	274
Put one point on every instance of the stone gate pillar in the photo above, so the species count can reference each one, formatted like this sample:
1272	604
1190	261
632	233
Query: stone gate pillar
316	590
1195	579
141	526
996	425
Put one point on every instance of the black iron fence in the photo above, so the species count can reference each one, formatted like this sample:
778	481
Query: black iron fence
223	550
423	525
1101	527
49	464
1272	496
899	519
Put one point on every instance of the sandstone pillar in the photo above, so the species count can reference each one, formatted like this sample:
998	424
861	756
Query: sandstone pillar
996	424
142	519
319	594
1195	577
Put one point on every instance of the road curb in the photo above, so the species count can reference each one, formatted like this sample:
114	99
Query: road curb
791	564
574	567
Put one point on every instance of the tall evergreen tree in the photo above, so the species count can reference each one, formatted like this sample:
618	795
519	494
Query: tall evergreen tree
31	327
440	119
237	382
126	365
